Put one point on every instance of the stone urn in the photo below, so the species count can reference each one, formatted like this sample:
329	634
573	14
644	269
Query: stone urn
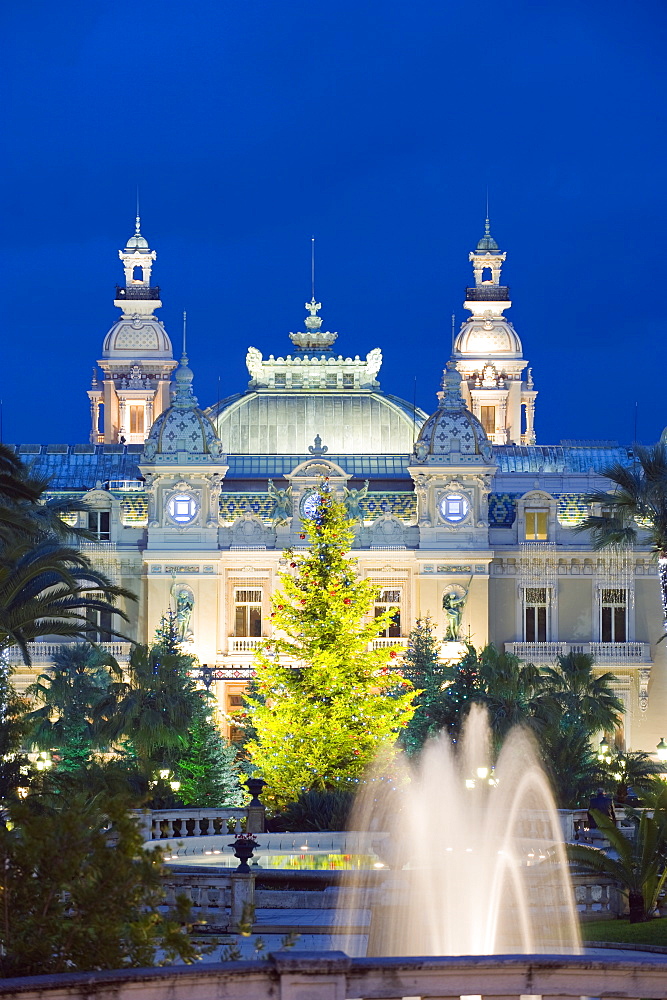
243	850
255	786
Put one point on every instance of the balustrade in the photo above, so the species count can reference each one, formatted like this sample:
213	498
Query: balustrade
621	653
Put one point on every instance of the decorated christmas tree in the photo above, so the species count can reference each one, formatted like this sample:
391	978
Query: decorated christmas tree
430	677
325	704
465	689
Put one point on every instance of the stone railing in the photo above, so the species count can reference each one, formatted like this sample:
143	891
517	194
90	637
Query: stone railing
41	653
384	643
244	644
294	975
621	653
179	824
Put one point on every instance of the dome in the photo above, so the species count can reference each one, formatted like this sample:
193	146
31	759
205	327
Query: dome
488	335
487	241
285	423
138	335
452	435
137	242
183	427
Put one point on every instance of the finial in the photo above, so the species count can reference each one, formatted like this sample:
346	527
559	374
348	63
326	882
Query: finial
137	221
185	327
313	322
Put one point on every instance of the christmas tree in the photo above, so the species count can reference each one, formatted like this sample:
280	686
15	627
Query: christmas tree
465	689
207	768
430	676
325	705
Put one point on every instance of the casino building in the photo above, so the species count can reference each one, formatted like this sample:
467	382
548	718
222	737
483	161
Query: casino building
193	506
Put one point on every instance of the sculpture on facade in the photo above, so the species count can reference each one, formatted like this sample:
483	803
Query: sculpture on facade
282	499
453	603
351	499
185	602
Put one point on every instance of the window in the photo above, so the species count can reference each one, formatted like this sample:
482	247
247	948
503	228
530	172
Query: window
137	273
535	614
248	613
454	507
99	522
136	419
280	381
487	274
348	381
613	615
389	600
537	522
332	381
99	622
488	418
182	508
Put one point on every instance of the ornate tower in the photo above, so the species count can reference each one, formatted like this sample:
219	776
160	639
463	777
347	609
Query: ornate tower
452	467
137	358
489	356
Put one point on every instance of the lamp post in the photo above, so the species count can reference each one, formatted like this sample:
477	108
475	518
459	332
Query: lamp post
661	750
604	756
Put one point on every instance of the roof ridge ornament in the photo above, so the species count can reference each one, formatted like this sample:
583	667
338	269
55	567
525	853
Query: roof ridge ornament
318	448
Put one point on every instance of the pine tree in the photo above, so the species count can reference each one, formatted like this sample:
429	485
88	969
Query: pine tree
463	691
325	704
207	768
430	677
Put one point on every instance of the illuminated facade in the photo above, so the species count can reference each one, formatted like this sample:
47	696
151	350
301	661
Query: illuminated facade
460	509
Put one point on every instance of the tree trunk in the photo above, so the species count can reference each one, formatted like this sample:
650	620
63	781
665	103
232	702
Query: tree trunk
636	902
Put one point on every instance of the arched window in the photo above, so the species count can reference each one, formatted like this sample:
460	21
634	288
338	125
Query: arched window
487	274
137	273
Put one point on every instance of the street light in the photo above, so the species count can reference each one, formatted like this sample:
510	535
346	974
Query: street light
661	750
603	751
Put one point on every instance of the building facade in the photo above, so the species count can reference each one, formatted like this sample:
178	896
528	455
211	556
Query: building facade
461	509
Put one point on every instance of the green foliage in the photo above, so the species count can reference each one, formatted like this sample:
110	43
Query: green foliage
634	770
321	722
571	763
150	711
45	585
640	863
69	691
15	767
578	696
651	932
429	676
167	637
207	767
314	810
71	900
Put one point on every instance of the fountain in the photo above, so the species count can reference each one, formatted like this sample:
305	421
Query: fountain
476	858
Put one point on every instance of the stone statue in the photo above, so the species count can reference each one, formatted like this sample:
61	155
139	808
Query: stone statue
351	500
282	499
185	603
453	603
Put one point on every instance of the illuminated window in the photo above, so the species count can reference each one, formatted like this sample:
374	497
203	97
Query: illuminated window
613	614
390	600
182	508
136	419
454	507
248	613
99	522
488	417
537	523
99	622
535	614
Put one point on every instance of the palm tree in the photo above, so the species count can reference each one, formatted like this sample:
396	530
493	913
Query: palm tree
45	590
579	696
640	866
637	505
633	770
69	691
512	691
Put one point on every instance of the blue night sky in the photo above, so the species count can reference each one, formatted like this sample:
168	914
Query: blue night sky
375	125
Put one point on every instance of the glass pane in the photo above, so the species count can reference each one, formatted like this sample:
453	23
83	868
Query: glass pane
530	624
605	631
255	616
541	624
240	626
619	624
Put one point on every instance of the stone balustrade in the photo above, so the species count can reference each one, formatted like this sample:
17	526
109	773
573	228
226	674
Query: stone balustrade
625	654
294	975
181	824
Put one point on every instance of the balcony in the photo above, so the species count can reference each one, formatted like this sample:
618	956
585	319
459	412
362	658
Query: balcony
619	654
244	644
488	293
386	643
137	292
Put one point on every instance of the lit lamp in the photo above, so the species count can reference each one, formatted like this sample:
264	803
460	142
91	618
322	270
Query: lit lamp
603	751
661	750
43	762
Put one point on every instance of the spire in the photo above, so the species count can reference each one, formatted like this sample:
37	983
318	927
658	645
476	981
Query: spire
487	241
315	339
